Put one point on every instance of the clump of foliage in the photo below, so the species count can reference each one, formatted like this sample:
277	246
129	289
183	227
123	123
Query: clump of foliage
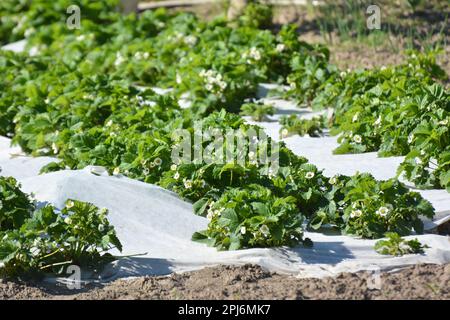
256	15
292	124
42	240
15	205
368	208
257	111
311	73
395	245
252	217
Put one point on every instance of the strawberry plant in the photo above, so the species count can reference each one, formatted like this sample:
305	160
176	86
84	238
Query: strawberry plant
252	217
369	208
256	15
15	205
395	245
257	111
38	240
311	72
292	124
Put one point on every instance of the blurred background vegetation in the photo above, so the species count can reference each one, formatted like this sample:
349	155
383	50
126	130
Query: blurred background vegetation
342	25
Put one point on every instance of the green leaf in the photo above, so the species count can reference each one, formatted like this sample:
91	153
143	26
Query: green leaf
260	208
200	206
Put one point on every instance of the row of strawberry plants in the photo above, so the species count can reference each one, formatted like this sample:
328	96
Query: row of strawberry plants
397	111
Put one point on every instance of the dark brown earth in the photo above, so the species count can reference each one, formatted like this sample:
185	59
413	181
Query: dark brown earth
252	282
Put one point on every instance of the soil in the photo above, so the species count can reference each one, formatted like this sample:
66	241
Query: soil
253	283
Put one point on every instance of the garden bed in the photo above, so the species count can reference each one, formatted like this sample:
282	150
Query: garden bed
157	225
356	150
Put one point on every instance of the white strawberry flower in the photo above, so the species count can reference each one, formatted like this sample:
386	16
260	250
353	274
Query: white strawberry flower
357	138
173	167
243	230
190	40
176	176
55	148
157	161
355	213
309	175
255	54
29	32
378	121
188	184
265	230
179	80
223	85
119	59
69	204
280	47
333	180
116	171
382	211
284	133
